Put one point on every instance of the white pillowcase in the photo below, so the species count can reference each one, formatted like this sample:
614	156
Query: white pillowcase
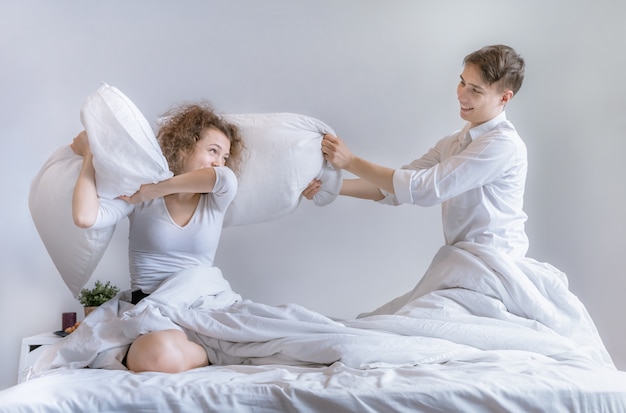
74	251
126	153
283	155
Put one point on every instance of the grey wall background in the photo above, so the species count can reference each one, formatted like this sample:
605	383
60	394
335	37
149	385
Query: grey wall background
383	74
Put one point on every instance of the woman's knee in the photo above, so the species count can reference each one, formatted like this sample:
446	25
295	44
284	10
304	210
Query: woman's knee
166	351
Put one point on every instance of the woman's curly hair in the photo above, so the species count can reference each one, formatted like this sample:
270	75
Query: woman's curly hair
180	130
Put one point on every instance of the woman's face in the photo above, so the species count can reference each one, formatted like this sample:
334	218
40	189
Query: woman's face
212	149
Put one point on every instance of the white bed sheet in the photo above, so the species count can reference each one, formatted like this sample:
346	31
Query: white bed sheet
500	382
480	332
470	300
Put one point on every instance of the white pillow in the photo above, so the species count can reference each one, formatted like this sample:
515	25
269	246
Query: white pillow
74	251
125	150
283	155
126	155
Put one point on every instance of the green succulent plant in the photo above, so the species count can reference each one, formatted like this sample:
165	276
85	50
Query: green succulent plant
98	295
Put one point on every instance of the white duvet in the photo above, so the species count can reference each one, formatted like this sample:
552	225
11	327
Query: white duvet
472	303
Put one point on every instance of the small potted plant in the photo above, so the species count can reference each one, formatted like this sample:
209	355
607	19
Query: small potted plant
96	296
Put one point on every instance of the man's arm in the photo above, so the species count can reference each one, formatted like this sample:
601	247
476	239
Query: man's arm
359	188
339	155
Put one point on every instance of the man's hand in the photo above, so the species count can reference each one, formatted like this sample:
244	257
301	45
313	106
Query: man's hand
336	152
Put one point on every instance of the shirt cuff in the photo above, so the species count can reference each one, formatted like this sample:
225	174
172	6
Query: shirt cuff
402	185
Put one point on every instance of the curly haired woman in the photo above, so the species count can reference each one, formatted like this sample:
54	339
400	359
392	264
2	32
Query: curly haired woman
174	224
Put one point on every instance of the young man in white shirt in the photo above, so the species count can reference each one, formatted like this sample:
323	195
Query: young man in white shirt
477	174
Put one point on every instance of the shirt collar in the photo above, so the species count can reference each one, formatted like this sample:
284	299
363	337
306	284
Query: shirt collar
485	127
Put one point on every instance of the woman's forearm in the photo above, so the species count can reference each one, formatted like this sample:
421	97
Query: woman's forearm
85	202
198	182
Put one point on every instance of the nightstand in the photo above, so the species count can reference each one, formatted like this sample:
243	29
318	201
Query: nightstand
27	357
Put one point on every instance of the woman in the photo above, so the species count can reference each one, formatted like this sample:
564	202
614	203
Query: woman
174	224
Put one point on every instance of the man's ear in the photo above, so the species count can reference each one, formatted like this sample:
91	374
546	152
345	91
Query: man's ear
506	96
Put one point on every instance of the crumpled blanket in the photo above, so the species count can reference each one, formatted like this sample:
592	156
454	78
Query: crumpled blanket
471	303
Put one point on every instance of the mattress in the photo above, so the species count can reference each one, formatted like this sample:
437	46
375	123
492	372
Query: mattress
500	382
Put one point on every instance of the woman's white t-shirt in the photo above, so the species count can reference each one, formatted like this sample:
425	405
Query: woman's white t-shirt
157	246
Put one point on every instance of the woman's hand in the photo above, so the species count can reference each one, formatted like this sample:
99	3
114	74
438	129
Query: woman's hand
145	193
80	144
312	189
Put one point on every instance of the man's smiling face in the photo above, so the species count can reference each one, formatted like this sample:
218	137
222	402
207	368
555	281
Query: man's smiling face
479	101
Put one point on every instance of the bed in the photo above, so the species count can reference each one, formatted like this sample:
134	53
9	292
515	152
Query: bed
491	385
479	332
452	344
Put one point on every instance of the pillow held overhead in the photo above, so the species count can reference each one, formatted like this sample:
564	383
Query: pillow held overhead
283	156
74	251
126	155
